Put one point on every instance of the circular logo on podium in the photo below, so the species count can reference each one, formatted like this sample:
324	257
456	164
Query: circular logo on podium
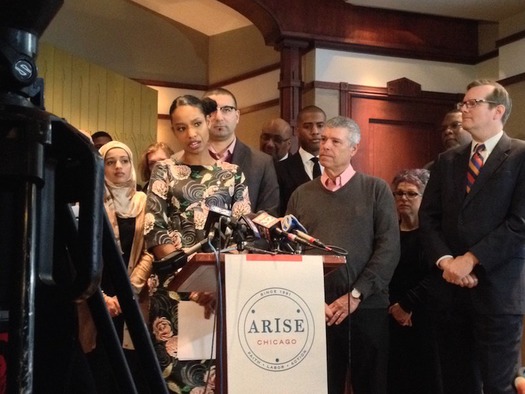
276	329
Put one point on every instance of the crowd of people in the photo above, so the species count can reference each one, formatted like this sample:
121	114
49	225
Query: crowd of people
431	298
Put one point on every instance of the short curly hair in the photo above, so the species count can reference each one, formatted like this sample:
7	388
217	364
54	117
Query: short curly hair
416	176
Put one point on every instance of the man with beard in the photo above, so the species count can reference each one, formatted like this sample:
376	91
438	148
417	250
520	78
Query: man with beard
257	167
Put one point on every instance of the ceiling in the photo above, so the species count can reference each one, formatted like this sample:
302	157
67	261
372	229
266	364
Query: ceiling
169	40
211	17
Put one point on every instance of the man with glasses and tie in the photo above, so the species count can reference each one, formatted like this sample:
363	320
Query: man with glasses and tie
276	139
257	167
472	220
303	166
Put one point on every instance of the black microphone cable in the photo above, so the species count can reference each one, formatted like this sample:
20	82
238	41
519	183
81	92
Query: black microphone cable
349	295
219	306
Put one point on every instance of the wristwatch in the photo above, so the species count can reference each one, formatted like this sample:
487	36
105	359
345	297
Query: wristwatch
356	294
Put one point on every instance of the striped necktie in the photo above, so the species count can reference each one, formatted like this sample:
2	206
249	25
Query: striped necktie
475	164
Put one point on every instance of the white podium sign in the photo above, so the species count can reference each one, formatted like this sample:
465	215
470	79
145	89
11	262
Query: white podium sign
275	324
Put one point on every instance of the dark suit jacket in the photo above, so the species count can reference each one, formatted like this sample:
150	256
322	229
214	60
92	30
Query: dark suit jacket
489	222
290	175
260	176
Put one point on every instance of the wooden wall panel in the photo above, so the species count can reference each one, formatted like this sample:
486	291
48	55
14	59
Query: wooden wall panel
148	118
93	98
132	111
79	94
97	104
397	132
62	79
115	102
396	146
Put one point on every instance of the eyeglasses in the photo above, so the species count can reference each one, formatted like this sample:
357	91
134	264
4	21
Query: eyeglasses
472	103
409	195
275	138
226	109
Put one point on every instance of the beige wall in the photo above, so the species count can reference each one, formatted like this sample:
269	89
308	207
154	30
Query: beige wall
238	52
249	128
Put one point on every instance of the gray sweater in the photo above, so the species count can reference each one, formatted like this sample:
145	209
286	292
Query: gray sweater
361	218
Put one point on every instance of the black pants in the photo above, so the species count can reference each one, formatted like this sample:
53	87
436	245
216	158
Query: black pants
368	354
478	353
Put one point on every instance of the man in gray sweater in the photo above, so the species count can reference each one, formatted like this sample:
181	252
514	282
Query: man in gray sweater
355	212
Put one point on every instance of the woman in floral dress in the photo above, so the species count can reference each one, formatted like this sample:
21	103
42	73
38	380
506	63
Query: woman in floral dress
180	194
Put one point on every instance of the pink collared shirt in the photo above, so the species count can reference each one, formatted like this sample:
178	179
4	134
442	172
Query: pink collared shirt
226	156
341	180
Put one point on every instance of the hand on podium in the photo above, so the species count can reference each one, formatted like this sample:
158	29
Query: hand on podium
206	299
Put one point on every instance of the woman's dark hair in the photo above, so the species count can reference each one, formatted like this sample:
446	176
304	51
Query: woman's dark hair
418	177
206	105
101	133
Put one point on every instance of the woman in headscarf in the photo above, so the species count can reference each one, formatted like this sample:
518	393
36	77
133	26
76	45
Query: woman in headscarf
125	208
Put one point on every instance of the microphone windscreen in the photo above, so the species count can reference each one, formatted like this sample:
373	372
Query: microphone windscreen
290	222
214	214
265	220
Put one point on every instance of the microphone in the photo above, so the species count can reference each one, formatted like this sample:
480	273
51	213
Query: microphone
174	261
270	228
266	224
244	226
214	215
290	222
311	240
292	237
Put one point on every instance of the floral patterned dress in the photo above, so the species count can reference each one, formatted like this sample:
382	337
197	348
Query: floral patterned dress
178	202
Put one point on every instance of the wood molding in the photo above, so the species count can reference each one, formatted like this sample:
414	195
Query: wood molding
363	29
513	80
245	76
489	55
174	85
510	39
245	110
238	78
259	106
370	91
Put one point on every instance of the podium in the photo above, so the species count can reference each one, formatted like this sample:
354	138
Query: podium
271	326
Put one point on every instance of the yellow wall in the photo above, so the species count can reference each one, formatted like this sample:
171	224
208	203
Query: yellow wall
93	98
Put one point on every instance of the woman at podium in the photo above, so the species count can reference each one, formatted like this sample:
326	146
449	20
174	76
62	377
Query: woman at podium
182	190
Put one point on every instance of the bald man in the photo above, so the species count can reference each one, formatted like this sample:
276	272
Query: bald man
276	138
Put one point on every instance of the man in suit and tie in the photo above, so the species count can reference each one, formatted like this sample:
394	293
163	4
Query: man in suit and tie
472	219
302	166
257	167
